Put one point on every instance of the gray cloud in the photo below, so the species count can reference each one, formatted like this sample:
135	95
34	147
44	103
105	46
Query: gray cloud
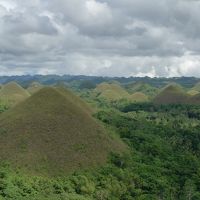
100	37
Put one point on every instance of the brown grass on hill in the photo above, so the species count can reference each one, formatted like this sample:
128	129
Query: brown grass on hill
170	95
12	93
139	97
192	92
74	99
196	87
50	133
145	88
114	92
195	99
34	87
111	91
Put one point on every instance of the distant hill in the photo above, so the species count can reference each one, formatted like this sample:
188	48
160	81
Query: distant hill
192	92
34	87
25	80
52	133
114	91
12	93
195	99
111	91
139	97
196	87
172	93
141	87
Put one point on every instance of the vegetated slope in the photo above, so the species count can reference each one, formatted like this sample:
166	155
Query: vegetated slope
192	92
142	87
12	93
34	87
195	99
171	94
49	134
74	99
197	87
111	91
139	97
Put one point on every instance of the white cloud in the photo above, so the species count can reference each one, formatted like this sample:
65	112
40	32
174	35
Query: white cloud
100	37
8	4
96	9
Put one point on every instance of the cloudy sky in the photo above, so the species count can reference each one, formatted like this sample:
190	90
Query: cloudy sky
100	37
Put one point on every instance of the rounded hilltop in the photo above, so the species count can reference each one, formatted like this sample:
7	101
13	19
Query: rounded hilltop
53	132
34	87
12	93
172	93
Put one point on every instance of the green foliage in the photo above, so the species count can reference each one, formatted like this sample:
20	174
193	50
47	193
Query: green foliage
87	85
165	146
3	107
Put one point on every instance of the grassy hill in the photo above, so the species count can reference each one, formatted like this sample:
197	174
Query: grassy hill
196	87
195	99
172	93
139	97
111	91
34	87
50	133
114	92
192	92
12	93
74	99
141	87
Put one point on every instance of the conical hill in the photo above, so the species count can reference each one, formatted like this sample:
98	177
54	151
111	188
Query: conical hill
49	133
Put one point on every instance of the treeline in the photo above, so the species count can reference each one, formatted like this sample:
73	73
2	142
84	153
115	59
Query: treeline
192	111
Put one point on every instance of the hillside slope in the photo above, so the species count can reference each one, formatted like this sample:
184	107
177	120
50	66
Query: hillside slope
171	94
34	87
141	87
196	87
111	91
195	99
73	98
12	93
49	134
139	97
